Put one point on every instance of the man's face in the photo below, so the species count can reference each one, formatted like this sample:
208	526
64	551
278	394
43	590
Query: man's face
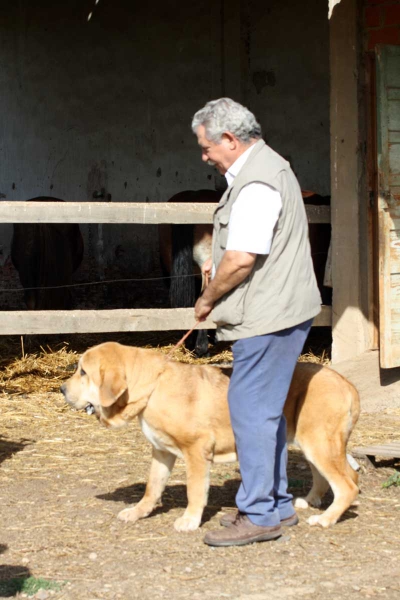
221	155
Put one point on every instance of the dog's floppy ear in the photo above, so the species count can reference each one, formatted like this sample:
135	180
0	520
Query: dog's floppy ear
103	365
112	385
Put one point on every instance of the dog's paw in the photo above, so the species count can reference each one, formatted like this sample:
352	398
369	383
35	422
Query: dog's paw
320	520
129	514
301	503
187	523
314	501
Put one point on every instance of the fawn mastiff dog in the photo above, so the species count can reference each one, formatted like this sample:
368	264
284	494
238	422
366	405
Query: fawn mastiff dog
183	411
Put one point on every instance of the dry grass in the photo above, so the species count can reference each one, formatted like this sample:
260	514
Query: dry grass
37	373
320	359
43	371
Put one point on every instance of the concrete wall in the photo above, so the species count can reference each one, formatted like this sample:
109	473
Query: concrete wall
288	83
106	104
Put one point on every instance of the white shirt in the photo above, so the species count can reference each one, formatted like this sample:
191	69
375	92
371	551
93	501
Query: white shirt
254	213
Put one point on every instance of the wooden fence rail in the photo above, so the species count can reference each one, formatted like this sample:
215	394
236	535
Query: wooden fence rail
115	320
143	213
18	322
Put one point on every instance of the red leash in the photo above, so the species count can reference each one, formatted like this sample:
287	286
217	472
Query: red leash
170	353
178	344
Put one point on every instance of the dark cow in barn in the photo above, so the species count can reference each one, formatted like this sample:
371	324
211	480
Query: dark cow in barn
184	248
320	238
45	256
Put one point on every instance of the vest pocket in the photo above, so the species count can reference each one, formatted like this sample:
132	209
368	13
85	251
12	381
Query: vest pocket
223	229
223	236
229	310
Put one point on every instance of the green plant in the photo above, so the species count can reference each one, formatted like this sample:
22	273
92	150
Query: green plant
27	585
392	480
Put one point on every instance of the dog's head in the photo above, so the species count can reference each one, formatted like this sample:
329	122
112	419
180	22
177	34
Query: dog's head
99	382
116	381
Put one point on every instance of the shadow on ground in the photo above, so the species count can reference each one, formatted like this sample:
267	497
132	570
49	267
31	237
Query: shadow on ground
8	447
174	496
221	497
12	580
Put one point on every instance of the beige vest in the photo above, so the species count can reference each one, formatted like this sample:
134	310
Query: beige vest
281	291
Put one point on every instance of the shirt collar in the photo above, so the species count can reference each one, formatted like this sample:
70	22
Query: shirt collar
237	165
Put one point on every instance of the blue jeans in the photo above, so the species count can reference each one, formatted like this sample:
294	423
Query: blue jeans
262	372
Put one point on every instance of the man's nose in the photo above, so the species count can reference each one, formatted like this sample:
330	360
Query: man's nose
204	157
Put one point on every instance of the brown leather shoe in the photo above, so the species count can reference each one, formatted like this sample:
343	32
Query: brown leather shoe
229	518
241	532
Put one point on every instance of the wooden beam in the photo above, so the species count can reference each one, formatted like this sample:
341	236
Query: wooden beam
117	320
351	268
144	213
318	214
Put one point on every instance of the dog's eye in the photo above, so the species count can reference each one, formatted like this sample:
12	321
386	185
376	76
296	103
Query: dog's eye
82	373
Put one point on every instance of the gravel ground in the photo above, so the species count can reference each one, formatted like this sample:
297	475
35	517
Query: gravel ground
64	478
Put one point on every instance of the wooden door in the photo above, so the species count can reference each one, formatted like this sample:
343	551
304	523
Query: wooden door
388	141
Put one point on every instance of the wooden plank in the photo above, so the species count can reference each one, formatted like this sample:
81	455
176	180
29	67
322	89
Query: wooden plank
393	218
393	212
393	114
101	321
394	137
392	450
395	283
318	214
388	123
98	321
394	242
394	93
392	65
350	260
395	329
394	162
387	357
105	212
143	213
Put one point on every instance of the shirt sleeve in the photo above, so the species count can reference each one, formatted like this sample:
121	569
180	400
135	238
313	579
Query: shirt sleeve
253	218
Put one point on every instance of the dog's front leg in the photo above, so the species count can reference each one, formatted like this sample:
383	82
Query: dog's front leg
198	482
160	469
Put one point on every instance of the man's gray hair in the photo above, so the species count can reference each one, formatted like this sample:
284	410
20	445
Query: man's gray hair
226	115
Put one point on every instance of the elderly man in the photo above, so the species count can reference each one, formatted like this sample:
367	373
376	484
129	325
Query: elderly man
263	295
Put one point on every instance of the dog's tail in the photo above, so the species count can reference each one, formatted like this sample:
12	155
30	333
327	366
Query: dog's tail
354	398
354	413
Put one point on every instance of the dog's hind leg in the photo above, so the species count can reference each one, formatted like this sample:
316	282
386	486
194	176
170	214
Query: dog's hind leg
331	463
352	473
319	488
160	469
198	482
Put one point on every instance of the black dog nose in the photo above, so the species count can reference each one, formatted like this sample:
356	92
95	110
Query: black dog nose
62	389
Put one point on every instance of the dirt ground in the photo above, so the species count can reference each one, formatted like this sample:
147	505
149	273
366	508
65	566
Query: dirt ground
64	478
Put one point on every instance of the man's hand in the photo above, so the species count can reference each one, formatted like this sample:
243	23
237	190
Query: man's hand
202	309
234	267
206	267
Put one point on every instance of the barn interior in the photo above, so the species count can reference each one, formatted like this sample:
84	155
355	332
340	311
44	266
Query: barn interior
100	108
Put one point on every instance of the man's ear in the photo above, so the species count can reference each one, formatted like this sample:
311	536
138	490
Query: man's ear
112	385
229	139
